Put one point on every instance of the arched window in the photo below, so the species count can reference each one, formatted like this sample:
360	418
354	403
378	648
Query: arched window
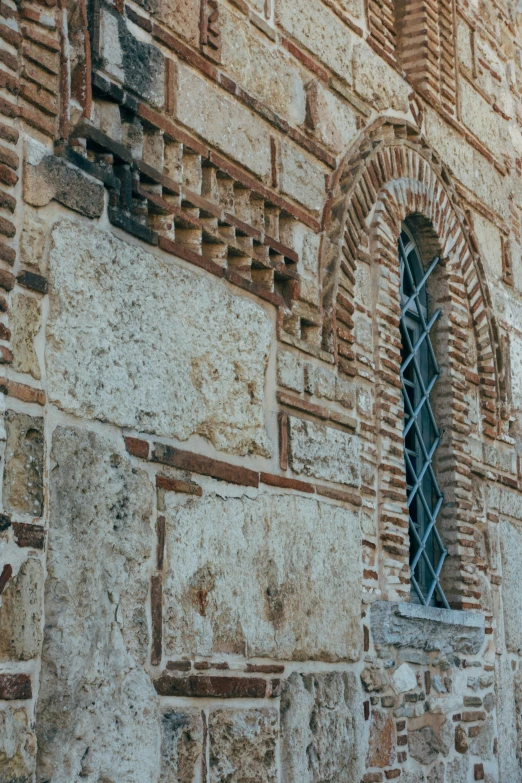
419	374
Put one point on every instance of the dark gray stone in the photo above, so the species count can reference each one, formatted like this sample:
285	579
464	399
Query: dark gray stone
54	178
426	628
181	745
23	474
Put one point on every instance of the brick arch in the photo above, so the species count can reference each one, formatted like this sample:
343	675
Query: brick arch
391	175
393	153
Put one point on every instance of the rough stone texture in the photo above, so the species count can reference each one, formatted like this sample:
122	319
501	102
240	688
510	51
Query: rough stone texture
97	716
511	548
381	744
321	728
424	745
251	585
21	613
17	746
375	83
47	177
181	745
180	15
178	374
290	371
23	473
242	746
323	34
509	724
32	240
229	125
404	679
426	628
25	322
324	453
301	179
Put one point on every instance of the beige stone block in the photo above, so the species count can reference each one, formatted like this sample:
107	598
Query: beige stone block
301	178
480	118
277	576
225	123
20	614
319	31
336	121
324	453
490	243
264	71
137	351
468	165
32	240
354	8
23	472
290	371
511	549
17	745
242	745
182	16
181	745
25	322
377	82
464	44
515	350
321	728
97	714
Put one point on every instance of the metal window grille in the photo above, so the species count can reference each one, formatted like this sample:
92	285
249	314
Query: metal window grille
419	373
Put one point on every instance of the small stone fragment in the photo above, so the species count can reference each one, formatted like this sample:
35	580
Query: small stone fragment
23	475
404	679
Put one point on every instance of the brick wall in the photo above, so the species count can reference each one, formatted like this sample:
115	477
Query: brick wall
204	551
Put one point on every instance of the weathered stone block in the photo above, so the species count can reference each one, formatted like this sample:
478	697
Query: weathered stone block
243	746
182	16
23	473
137	352
324	453
253	585
377	82
97	715
25	321
381	744
320	31
290	371
321	728
509	721
511	548
301	178
21	612
47	177
426	628
137	64
32	240
223	122
181	745
17	746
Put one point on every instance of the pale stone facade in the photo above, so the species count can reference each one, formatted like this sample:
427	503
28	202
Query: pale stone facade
204	545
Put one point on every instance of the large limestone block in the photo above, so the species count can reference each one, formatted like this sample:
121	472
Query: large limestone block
301	179
320	31
127	343
226	123
509	721
511	548
272	576
321	728
181	15
23	473
181	745
480	118
324	453
25	321
21	613
17	746
97	716
377	83
264	71
243	746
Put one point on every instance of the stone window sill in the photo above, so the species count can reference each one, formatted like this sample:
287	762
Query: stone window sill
426	628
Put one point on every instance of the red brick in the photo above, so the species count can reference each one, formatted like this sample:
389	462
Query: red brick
6	355
8	134
156	601
478	772
391	774
177	485
160	548
182	251
180	666
372	777
15	686
7	175
308	407
7	280
283	440
206	466
137	448
475	715
27	535
5	576
22	392
219	687
265	668
7	228
7	254
339	494
286	483
33	281
10	36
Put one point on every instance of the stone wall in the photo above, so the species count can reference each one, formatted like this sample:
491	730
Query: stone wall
204	552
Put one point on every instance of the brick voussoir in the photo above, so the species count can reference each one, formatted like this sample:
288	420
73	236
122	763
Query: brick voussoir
206	466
